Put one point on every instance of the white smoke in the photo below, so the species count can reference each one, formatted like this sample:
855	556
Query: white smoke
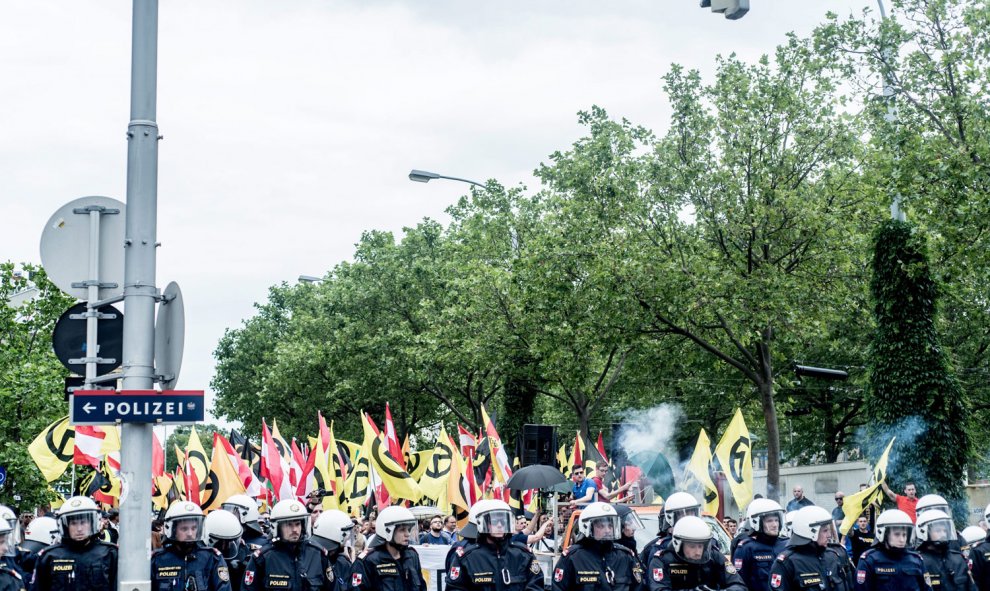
651	430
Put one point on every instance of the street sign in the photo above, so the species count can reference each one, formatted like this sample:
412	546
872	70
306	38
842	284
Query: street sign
170	333
69	339
3	475
106	407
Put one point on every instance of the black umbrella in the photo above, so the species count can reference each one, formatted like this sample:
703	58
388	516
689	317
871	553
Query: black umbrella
537	476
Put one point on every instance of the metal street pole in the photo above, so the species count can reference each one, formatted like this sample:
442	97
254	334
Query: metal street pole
140	294
896	213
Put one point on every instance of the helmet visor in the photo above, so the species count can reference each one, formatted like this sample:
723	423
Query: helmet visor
631	523
943	508
940	530
693	551
405	533
185	528
604	528
239	511
495	523
293	529
675	515
80	525
771	523
824	532
898	536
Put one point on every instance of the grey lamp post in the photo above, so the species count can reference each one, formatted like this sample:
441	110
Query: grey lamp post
896	213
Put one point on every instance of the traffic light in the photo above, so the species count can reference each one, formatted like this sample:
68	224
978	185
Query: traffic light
732	9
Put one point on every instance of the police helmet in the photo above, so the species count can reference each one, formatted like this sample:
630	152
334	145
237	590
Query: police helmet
891	520
691	530
935	526
973	534
182	515
243	506
286	512
43	530
76	510
930	502
222	529
629	519
332	528
494	518
600	522
808	525
680	504
763	512
391	519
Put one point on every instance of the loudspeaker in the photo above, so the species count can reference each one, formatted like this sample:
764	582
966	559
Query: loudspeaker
539	445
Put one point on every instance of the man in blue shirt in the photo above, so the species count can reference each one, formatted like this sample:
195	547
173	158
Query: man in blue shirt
584	490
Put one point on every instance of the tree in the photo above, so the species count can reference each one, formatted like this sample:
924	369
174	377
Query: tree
31	377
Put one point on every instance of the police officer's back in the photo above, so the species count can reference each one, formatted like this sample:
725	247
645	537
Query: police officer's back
970	538
290	562
979	558
755	554
469	535
40	533
246	509
494	562
689	562
332	532
807	562
10	579
596	561
890	565
222	531
679	504
945	567
185	563
79	562
388	563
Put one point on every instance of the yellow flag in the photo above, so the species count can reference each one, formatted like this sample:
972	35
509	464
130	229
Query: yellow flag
323	473
336	466
197	456
222	481
418	462
699	467
52	449
356	486
283	446
433	482
856	503
397	481
563	460
111	442
735	456
880	470
159	496
459	507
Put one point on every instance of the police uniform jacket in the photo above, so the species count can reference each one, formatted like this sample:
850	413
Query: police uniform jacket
979	559
590	565
666	570
753	558
801	567
946	568
840	569
27	556
182	567
254	540
657	544
493	565
73	566
376	570
341	569
236	565
880	569
456	549
289	566
11	580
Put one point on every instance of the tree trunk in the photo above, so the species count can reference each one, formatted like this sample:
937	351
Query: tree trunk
769	414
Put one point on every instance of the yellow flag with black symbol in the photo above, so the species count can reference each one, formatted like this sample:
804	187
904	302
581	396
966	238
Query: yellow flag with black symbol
397	481
736	457
323	474
853	505
433	482
417	462
356	486
159	492
222	481
197	457
880	470
53	448
698	468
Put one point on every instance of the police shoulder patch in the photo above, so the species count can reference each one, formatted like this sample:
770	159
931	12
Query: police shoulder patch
729	568
455	573
223	573
558	574
248	577
329	573
782	556
534	567
775	580
658	574
638	573
460	550
356	579
861	577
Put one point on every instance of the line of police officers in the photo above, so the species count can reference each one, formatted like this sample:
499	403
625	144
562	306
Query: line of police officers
228	551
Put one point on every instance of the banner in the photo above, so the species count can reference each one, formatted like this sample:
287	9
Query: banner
52	450
735	456
433	483
397	481
699	468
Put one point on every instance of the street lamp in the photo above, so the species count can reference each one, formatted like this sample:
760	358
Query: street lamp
310	279
731	9
423	176
896	213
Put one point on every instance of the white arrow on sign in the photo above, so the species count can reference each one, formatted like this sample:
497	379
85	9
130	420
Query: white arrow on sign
89	408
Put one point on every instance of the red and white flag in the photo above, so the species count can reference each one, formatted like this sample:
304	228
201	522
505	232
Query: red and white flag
252	485
469	444
274	465
89	446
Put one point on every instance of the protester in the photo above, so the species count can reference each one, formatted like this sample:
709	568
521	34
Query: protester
799	499
184	562
755	554
908	502
605	495
945	567
595	557
495	561
450	526
838	514
435	534
860	538
79	562
389	564
583	491
689	562
730	526
289	562
891	564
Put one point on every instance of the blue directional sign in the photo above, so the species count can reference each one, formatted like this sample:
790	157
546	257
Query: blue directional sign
102	407
3	475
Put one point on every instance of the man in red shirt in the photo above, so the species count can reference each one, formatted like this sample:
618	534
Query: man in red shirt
907	502
605	495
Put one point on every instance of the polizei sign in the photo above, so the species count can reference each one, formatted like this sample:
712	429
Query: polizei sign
102	407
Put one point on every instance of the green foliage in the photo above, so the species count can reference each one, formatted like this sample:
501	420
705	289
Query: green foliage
910	374
31	377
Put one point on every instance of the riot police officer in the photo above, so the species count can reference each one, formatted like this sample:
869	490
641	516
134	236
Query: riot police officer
979	558
631	523
222	530
890	565
679	504
755	554
246	509
494	561
184	562
807	563
332	531
10	578
469	535
290	562
40	533
689	562
79	562
945	567
388	563
932	502
595	562
970	538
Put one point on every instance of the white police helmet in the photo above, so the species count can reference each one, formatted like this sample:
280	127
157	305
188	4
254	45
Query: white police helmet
935	526
285	512
680	504
691	530
599	521
391	519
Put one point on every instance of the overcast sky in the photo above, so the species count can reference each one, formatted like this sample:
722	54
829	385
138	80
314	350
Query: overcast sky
290	126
